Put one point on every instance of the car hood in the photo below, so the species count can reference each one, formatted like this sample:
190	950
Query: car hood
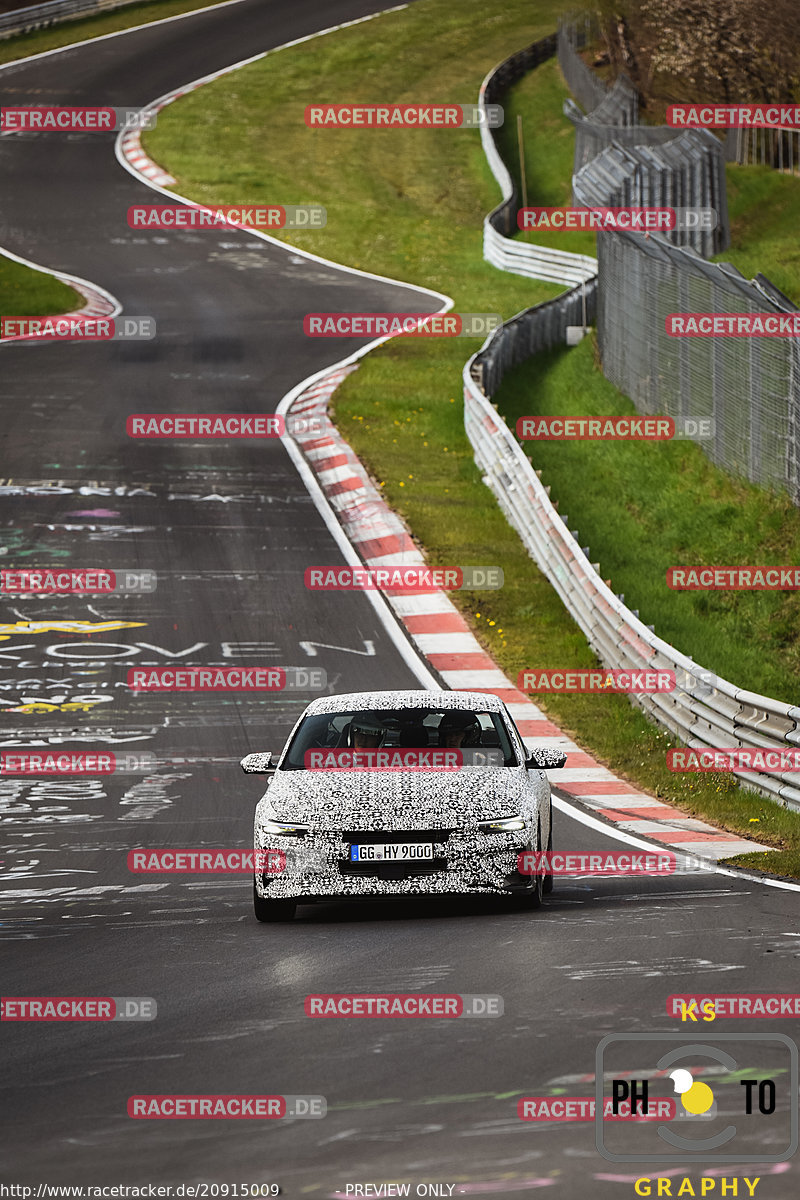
395	799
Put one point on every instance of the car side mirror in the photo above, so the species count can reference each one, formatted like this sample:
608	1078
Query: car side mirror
545	760
257	764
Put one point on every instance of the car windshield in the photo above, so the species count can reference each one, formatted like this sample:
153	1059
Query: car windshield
418	728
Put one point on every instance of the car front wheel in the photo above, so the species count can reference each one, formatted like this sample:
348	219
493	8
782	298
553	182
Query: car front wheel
547	885
534	894
268	911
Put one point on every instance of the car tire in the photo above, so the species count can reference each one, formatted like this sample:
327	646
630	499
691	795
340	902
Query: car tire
547	885
268	911
533	896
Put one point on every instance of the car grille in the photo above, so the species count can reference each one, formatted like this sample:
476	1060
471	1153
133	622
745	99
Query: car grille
369	837
388	871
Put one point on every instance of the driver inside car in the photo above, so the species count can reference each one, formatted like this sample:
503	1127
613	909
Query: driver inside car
366	733
459	728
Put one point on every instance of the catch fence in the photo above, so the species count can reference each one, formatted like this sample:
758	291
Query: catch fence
640	280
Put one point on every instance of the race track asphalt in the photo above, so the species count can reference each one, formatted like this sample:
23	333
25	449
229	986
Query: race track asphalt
228	527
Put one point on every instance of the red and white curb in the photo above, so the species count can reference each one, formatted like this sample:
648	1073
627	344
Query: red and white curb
445	641
131	147
129	143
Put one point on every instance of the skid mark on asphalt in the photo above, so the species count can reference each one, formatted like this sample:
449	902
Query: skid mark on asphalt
650	970
405	979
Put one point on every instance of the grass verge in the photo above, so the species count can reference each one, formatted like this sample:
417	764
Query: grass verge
644	506
549	145
24	292
763	206
405	203
410	205
415	446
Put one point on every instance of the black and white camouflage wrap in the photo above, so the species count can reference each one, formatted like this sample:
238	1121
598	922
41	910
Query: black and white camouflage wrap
445	806
415	699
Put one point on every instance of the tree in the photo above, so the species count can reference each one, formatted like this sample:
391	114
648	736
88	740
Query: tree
705	50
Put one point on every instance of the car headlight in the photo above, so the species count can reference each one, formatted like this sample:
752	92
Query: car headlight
283	828
502	825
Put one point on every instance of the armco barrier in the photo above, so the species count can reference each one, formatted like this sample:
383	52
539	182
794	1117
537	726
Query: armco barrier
39	16
712	715
502	251
535	329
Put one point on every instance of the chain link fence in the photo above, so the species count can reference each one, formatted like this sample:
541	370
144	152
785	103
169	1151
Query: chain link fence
593	137
633	164
640	280
687	174
750	386
608	110
645	164
778	148
574	34
704	711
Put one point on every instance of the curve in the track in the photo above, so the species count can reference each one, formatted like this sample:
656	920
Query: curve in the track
432	622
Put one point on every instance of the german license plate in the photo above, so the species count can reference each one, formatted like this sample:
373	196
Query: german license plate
391	852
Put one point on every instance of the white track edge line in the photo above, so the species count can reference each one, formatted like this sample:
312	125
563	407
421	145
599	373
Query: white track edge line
579	814
95	287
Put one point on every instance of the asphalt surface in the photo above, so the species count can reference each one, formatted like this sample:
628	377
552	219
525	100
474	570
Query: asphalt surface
229	529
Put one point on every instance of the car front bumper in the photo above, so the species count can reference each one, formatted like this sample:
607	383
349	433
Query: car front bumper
317	867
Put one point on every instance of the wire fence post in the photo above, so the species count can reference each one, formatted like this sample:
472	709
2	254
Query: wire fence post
523	180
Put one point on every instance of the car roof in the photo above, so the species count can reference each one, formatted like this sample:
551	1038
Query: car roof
430	698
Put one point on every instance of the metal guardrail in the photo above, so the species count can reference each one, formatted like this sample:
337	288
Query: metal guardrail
704	711
502	251
537	262
539	328
39	16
